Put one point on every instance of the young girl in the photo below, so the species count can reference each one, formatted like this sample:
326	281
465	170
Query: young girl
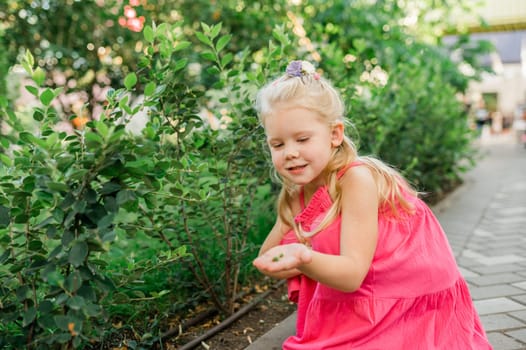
366	260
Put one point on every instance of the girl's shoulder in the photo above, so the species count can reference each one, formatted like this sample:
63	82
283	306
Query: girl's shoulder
355	172
357	178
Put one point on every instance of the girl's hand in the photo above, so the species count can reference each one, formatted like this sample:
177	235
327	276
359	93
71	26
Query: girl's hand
283	258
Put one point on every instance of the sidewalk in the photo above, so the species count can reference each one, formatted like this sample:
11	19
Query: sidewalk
485	221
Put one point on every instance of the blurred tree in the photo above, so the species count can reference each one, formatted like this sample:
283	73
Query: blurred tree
83	45
89	45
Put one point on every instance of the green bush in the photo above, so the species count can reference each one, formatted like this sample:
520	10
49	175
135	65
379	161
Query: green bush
180	186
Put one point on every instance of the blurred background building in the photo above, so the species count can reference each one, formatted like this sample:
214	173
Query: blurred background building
501	94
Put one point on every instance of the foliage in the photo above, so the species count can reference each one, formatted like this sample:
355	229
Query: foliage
180	182
60	198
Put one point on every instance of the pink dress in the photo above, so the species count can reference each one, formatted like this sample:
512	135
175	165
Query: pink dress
413	297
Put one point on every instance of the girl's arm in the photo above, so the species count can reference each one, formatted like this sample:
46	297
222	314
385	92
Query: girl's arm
359	233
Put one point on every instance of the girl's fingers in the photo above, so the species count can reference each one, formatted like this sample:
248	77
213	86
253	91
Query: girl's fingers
284	257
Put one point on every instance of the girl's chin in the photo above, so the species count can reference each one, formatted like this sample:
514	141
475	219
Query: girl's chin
297	182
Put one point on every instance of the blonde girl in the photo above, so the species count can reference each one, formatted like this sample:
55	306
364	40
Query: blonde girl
366	260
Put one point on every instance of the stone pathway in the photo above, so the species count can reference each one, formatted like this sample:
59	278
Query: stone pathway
485	221
486	225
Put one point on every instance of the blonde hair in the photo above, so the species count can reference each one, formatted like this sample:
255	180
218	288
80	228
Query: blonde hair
312	92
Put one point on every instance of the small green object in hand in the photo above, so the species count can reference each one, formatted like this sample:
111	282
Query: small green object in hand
276	258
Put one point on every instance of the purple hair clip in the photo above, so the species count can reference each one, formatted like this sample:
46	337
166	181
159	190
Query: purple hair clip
300	69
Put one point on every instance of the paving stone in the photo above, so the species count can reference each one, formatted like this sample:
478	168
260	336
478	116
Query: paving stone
512	211
521	285
511	220
519	298
503	259
521	315
497	305
496	278
467	273
479	232
500	322
484	259
488	292
484	269
519	334
467	262
500	341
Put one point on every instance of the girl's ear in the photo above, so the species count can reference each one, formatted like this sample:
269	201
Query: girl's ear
337	134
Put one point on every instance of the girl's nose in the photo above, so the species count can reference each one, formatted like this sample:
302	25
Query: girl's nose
291	152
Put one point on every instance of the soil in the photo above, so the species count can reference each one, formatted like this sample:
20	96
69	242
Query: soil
237	336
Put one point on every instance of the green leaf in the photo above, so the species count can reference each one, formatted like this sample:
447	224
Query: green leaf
23	293
213	70
39	76
205	27
226	59
208	55
28	62
182	45
29	58
46	97
105	221
76	302
123	103
53	278
5	219
215	30
93	139
149	89
6	160
29	138
125	196
359	44
204	39
58	90
32	90
57	186
110	187
102	128
29	316
78	253
180	64
148	33
92	310
27	67
63	321
223	41
45	307
73	282
130	81
38	115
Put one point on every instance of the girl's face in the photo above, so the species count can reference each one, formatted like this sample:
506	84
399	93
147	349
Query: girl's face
301	143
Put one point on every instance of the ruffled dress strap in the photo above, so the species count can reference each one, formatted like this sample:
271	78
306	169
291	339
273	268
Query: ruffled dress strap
342	171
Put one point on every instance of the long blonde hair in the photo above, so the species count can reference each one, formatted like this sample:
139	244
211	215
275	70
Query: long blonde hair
312	92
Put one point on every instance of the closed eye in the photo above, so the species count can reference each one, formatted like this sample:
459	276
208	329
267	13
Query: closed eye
303	139
276	145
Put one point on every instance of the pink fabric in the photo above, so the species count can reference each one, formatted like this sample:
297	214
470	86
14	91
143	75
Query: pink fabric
413	296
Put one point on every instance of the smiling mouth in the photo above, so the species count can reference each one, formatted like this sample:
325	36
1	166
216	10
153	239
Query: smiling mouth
296	168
